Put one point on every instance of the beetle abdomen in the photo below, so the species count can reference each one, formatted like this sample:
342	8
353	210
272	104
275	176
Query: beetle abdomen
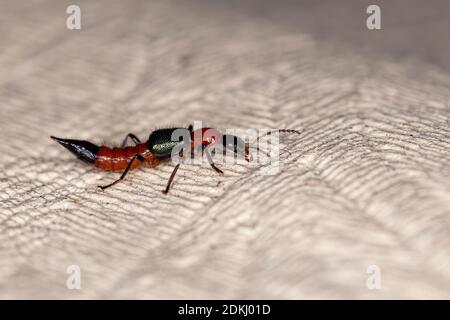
118	158
84	150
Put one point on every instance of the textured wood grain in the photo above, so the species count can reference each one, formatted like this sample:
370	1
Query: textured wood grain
367	183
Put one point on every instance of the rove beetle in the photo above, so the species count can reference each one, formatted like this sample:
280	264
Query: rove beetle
159	147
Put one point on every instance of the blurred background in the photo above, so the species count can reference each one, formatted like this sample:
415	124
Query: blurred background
366	184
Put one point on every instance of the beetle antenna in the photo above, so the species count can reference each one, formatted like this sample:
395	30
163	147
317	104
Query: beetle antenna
270	132
247	146
279	130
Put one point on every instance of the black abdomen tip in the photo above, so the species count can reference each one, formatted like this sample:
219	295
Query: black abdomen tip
84	150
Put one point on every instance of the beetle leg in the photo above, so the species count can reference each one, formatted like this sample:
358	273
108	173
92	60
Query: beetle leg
132	137
171	178
137	157
211	162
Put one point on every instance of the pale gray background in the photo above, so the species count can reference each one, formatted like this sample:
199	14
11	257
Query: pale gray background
368	182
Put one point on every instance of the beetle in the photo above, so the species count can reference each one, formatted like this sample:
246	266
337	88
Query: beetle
159	147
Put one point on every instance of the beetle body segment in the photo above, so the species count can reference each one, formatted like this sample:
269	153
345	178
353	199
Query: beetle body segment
161	142
84	150
113	159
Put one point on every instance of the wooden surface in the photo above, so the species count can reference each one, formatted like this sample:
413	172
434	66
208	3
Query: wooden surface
368	182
